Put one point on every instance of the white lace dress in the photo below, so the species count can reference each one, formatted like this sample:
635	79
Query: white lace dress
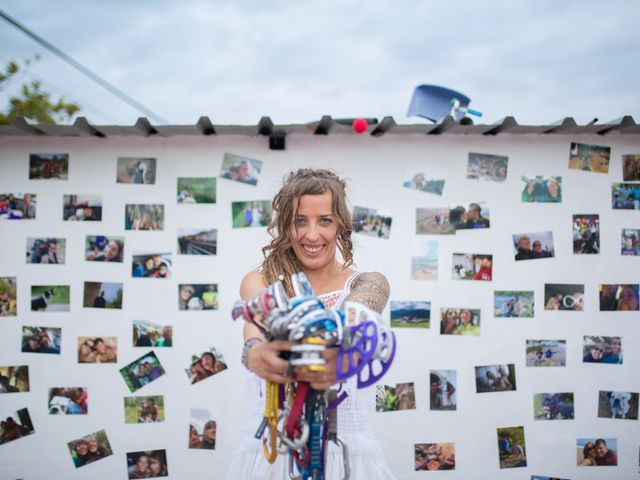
366	458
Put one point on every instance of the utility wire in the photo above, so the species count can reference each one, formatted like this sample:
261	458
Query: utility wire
123	96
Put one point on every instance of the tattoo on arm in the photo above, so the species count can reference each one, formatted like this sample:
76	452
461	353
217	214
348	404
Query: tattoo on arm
370	289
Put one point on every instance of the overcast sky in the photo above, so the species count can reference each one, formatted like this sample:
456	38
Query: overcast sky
236	61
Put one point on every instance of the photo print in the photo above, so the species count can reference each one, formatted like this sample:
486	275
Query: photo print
50	298
82	208
410	314
622	405
18	206
15	425
481	166
586	234
151	265
90	448
391	399
148	334
464	216
144	409
371	222
8	297
472	266
100	248
97	349
531	246
48	166
597	452
496	378
442	389
631	168
143	217
625	196
240	169
513	303
136	170
205	365
46	250
429	180
560	296
41	339
433	221
546	353
460	321
542	477
590	158
511	447
198	296
14	379
102	295
142	371
202	429
435	456
553	406
617	298
197	241
192	190
541	189
630	242
251	214
598	349
424	260
68	401
147	464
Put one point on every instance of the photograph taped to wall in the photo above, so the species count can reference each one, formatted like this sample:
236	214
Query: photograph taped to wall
8	297
391	399
197	241
463	216
371	222
586	233
15	425
546	353
532	246
410	314
18	206
147	464
82	208
460	321
151	265
622	405
68	401
250	214
553	406
435	456
48	166
144	217
482	166
14	379
193	190
240	169
511	447
101	248
625	196
590	158
560	296
142	371
41	339
631	168
210	362
472	266
198	296
433	221
617	297
599	349
202	429
542	477
424	259
630	241
429	180
442	390
46	250
148	334
136	170
102	295
496	378
513	303
90	448
597	452
541	189
144	409
50	298
97	349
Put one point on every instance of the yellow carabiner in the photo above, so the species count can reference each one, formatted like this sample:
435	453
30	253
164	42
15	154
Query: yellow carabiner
271	415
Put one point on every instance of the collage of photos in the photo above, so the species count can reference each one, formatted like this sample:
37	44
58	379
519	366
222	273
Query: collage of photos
46	166
424	260
408	314
14	379
442	390
50	298
151	265
464	216
546	353
15	425
590	158
46	250
532	246
197	241
541	189
82	208
433	221
148	334
371	222
472	266
205	365
460	321
496	378
597	452
194	190
240	169
101	248
147	464
136	170
435	456
68	401
143	217
602	350
8	297
631	168
97	349
561	296
508	304
618	298
492	168
391	399
630	241
251	214
102	295
202	429
144	409
142	371
625	196
90	448
18	206
198	296
511	447
41	340
586	234
553	406
622	405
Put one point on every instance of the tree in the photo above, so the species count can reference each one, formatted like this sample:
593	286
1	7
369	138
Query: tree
32	102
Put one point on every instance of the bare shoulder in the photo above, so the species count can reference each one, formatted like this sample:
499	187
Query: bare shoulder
371	289
251	284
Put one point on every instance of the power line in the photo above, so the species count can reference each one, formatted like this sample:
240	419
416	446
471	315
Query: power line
96	78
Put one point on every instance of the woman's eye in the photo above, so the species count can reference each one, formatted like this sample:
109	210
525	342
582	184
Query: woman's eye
300	221
325	221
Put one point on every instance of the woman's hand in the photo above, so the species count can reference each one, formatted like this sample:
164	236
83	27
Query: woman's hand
320	380
264	360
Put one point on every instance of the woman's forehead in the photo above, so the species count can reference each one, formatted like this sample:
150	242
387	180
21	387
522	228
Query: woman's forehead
321	204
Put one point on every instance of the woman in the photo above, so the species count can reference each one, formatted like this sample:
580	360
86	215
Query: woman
141	468
449	322
588	456
157	467
466	326
311	222
87	352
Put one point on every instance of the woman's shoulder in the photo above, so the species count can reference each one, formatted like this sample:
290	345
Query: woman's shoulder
251	283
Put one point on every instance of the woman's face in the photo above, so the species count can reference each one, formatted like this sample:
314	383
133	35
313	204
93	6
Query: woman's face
207	362
82	449
143	463
465	316
628	298
628	242
112	250
155	466
553	188
148	263
185	294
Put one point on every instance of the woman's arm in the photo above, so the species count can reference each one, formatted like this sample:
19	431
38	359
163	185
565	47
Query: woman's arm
370	289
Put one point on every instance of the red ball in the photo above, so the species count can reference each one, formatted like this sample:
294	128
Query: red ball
359	125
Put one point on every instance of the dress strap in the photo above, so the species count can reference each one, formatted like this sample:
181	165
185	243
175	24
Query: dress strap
350	280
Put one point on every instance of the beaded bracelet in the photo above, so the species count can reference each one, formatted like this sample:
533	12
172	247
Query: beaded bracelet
245	350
